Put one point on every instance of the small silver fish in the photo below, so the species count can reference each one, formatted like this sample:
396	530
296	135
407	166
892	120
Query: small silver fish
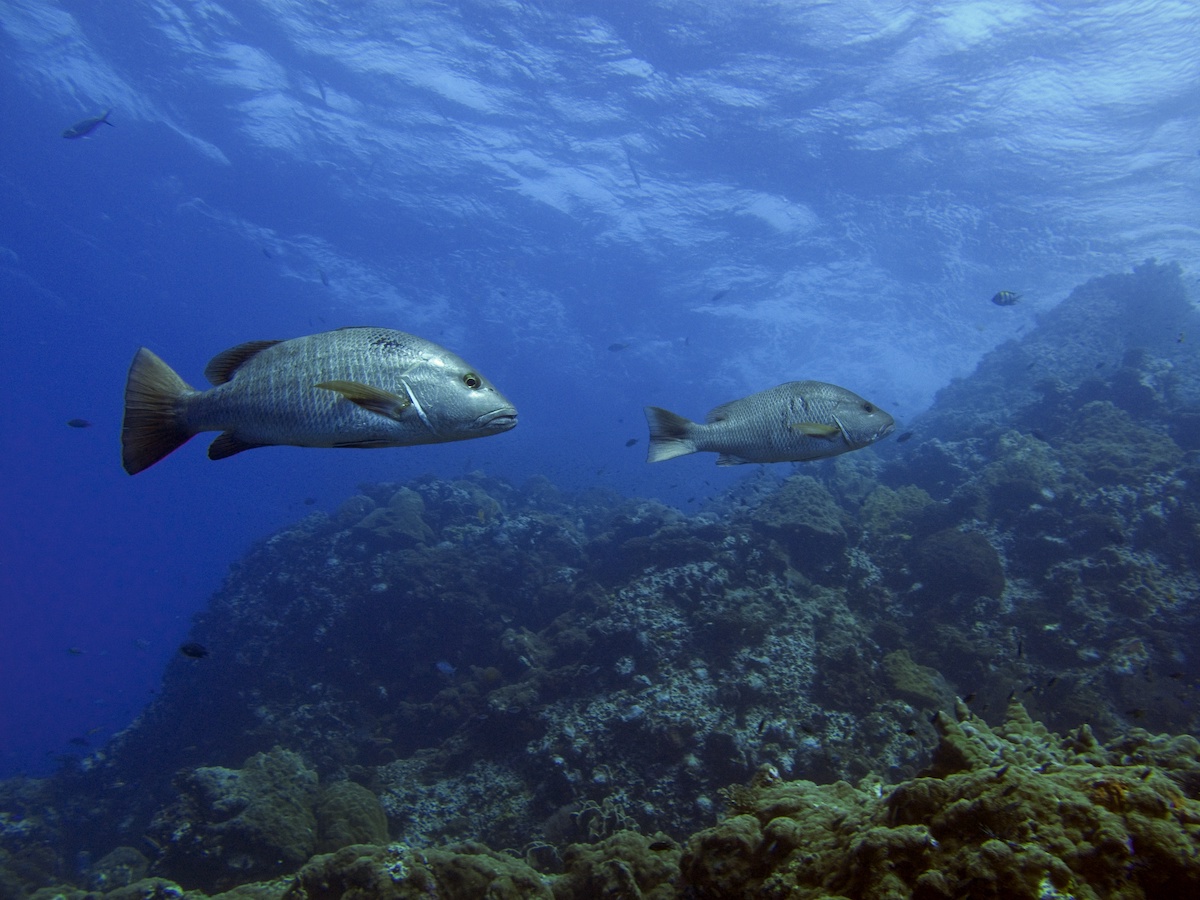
84	127
793	422
354	387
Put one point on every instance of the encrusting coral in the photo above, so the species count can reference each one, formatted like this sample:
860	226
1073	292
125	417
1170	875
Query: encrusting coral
1011	812
1006	812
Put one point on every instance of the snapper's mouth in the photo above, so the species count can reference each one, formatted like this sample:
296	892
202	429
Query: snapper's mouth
498	419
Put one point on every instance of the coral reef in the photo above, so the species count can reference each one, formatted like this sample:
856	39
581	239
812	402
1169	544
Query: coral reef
1014	812
1006	812
446	666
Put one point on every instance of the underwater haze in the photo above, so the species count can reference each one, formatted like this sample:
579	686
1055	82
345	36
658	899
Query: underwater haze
601	205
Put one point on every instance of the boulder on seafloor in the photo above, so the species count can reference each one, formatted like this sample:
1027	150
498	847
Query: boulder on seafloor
951	562
399	871
805	519
627	864
399	524
920	685
230	826
348	813
117	868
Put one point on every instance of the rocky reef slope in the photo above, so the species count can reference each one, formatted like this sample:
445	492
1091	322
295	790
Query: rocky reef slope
439	668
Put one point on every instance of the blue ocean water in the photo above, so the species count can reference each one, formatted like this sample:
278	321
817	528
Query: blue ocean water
601	205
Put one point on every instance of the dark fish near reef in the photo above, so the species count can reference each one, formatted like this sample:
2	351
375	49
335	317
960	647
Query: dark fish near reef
79	423
1005	298
793	422
354	387
84	127
904	438
193	650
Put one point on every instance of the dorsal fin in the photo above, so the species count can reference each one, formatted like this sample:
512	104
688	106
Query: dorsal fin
719	413
222	367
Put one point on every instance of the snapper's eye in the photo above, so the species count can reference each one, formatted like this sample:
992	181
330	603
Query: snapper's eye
472	380
868	407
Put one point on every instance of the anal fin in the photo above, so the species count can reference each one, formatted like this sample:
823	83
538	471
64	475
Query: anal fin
229	444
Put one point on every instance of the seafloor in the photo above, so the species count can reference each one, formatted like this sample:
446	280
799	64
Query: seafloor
837	680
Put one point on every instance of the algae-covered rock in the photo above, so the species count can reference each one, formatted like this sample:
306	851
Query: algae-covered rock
1107	446
348	813
144	889
400	523
919	685
118	868
456	872
806	520
885	510
1027	473
627	864
952	562
1012	812
235	825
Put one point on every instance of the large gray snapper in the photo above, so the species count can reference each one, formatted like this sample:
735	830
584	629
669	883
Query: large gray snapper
354	387
793	422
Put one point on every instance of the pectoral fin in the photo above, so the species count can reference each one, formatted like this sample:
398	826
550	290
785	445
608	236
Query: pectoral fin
817	430
373	399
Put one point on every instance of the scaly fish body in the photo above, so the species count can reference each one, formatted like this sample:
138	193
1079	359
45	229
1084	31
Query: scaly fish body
355	387
1005	298
797	421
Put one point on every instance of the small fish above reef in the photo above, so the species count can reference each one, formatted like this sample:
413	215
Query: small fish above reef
904	438
84	127
79	423
192	650
354	387
793	422
1005	298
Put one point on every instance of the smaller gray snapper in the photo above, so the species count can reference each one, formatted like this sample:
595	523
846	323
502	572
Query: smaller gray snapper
793	422
354	387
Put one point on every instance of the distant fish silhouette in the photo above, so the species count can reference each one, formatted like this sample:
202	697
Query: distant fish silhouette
637	179
193	650
79	423
1005	298
84	127
616	348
